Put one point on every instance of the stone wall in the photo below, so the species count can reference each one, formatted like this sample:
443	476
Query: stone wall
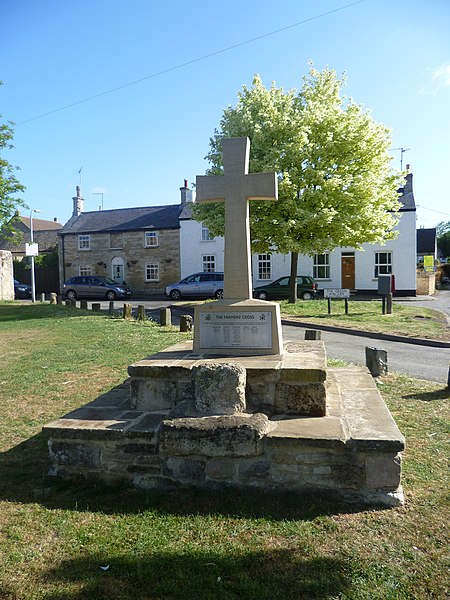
134	254
426	283
6	276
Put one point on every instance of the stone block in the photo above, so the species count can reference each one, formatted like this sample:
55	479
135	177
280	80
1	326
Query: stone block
254	470
231	435
184	469
383	470
152	394
72	454
223	470
300	399
219	388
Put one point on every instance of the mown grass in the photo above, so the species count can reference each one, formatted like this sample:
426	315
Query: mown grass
62	540
366	315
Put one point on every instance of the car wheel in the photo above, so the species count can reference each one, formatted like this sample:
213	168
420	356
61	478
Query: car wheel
71	294
263	295
307	296
219	294
175	294
110	295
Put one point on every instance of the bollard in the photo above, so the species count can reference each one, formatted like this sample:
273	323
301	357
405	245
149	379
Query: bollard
53	298
73	303
111	307
448	378
96	306
127	308
389	304
141	313
376	361
346	305
43	297
165	316
329	306
186	322
313	334
59	299
68	302
83	304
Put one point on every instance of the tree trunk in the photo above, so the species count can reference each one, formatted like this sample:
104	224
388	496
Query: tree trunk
293	280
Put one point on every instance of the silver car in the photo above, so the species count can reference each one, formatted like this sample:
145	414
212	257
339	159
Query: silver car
90	286
198	285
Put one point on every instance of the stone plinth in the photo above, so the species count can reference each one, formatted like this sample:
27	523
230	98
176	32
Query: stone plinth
290	383
127	435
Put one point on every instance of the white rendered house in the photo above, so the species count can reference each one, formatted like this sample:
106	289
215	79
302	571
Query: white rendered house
344	267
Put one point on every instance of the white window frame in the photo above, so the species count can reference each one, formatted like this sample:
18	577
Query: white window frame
319	266
264	267
84	243
385	267
152	271
151	239
208	263
206	235
84	270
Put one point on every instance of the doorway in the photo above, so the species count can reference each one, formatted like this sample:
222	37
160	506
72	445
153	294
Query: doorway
348	270
117	267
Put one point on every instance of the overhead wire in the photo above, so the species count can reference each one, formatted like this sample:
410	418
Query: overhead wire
190	62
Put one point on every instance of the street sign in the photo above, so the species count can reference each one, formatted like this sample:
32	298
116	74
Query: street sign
31	249
336	293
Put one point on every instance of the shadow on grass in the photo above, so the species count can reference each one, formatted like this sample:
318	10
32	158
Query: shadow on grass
443	394
28	312
195	574
23	478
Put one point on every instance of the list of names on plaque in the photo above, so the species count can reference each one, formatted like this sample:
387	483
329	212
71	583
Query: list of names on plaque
236	330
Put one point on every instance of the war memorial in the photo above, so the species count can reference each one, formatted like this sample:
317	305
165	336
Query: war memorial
237	408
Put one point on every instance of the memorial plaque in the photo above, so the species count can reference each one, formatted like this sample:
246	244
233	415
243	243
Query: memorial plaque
236	329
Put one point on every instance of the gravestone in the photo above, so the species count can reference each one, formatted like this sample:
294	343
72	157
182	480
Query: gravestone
237	325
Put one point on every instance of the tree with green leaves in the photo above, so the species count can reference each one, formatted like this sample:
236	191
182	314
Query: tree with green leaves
9	184
443	238
336	185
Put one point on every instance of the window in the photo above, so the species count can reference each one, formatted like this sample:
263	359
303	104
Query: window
85	270
383	263
209	263
151	239
264	266
206	236
152	272
84	242
321	267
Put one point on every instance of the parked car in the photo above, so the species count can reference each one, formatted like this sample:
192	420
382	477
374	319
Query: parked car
21	290
94	287
198	285
279	289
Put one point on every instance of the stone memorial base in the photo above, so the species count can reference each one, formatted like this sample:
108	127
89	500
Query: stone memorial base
275	423
238	328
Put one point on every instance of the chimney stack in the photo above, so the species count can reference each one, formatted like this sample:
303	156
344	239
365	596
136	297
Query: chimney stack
78	203
186	193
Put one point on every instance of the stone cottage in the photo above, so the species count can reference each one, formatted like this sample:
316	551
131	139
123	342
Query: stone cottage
137	246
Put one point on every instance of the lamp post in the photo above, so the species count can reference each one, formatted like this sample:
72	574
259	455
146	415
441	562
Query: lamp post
33	283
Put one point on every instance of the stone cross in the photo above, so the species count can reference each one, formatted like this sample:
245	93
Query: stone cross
235	188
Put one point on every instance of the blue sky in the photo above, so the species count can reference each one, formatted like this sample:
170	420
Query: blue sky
137	144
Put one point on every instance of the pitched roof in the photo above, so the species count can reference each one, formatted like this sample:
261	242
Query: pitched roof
426	241
125	219
41	224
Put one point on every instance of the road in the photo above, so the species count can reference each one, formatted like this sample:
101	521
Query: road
422	362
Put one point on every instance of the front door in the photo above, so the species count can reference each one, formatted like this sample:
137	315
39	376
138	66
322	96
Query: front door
348	271
117	269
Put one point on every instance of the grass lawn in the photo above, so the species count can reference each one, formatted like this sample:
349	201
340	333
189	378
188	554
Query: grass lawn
366	315
64	540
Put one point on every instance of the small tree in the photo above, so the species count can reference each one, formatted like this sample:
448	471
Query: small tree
9	184
336	187
443	238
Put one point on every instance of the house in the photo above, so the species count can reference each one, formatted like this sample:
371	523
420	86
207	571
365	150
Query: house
347	267
45	234
139	246
426	247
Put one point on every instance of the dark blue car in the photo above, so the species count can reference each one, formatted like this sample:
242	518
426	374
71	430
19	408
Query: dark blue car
21	290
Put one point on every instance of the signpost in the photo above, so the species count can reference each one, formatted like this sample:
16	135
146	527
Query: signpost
340	293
